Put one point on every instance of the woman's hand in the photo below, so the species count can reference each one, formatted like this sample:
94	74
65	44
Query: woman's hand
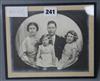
25	58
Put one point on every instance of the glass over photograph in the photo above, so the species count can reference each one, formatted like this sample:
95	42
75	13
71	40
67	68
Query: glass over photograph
50	41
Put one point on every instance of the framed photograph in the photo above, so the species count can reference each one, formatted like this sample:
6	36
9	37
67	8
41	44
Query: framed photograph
49	40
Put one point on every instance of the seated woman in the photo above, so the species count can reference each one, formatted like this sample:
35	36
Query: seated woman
70	52
28	48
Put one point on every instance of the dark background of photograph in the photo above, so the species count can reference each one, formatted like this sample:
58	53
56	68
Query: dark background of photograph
97	39
80	17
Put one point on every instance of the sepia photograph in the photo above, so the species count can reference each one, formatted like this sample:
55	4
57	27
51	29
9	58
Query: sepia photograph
49	41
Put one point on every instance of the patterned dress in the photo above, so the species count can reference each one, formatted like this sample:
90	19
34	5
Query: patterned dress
45	56
29	50
69	55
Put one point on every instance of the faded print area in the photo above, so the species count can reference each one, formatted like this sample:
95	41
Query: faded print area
50	43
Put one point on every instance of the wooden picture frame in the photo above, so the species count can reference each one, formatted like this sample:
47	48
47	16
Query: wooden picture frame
16	17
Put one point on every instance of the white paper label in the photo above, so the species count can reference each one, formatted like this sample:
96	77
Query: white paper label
90	10
50	11
16	11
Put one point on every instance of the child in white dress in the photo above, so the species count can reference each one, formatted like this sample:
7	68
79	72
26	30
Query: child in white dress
28	48
45	56
70	52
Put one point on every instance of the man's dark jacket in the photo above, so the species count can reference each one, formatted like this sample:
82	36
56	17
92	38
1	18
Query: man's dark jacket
59	46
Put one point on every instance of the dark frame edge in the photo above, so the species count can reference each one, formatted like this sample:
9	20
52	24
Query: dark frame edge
46	4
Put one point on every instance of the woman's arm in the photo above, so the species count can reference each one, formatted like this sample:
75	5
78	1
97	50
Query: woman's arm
23	51
73	56
24	57
38	53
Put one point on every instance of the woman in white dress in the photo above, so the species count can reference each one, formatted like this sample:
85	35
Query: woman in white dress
45	55
28	48
70	52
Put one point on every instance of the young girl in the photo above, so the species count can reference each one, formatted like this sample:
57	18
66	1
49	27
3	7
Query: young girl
28	47
45	56
70	52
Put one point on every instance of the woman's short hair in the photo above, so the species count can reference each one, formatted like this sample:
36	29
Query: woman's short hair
32	23
73	33
52	22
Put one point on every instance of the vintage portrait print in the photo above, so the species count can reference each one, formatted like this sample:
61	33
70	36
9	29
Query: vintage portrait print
49	41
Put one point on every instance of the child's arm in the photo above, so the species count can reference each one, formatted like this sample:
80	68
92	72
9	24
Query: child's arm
53	56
